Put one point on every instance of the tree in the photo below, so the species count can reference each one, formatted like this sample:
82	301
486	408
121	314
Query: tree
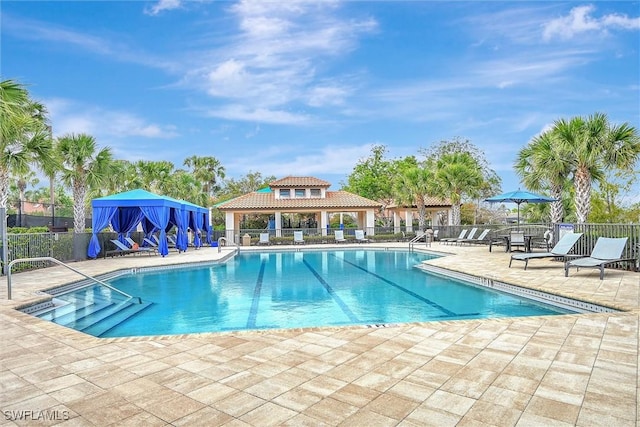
208	171
24	138
83	167
593	146
457	175
543	165
252	181
475	189
411	187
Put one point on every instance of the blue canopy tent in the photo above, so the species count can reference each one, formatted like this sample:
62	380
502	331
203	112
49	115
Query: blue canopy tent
124	211
198	221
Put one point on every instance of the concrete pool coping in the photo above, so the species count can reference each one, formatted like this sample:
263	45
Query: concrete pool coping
569	370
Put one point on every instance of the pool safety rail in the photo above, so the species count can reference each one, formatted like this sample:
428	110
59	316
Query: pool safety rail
224	239
419	237
55	261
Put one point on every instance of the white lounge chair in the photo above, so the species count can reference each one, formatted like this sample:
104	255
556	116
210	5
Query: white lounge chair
480	239
338	236
264	239
560	250
298	237
462	235
360	238
470	236
608	250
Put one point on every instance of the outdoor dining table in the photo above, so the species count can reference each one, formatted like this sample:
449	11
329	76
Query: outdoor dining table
507	241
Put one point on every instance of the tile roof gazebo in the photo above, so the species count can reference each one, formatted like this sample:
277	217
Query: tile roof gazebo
433	206
299	195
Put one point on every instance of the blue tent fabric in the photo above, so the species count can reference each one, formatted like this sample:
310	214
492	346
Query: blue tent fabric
161	212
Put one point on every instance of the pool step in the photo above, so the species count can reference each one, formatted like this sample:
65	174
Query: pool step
105	324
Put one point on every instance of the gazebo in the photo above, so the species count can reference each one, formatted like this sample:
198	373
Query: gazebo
299	195
125	211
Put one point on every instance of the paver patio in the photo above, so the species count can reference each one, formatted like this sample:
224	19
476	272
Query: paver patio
561	370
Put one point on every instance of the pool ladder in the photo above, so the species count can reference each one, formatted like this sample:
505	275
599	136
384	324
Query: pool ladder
50	259
225	240
416	239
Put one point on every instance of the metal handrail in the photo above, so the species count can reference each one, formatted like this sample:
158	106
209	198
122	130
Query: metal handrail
225	240
417	238
47	258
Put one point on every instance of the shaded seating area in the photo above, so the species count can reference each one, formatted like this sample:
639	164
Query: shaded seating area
560	250
124	212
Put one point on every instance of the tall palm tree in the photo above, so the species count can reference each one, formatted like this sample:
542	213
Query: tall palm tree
594	146
208	171
83	167
155	175
24	139
543	165
457	175
412	186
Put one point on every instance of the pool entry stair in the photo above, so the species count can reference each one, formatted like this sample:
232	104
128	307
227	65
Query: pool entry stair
93	310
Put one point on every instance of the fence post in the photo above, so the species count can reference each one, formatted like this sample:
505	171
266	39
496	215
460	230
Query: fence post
3	232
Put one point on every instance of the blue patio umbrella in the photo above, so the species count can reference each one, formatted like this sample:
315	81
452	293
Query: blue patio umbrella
518	197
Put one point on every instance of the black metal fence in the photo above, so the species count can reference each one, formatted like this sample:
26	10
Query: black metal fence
68	246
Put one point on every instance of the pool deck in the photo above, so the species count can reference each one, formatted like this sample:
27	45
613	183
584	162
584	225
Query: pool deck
538	371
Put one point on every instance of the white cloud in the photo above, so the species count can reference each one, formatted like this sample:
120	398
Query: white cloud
163	5
332	159
273	60
258	115
69	117
580	20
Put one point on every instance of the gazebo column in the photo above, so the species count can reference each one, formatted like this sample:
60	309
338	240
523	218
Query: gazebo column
397	228
408	220
449	216
324	221
231	224
371	222
278	220
434	218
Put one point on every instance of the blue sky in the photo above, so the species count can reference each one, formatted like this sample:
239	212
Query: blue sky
306	88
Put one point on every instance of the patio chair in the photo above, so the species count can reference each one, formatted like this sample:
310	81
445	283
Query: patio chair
149	243
517	239
298	237
560	250
470	236
480	239
608	250
136	247
338	236
264	239
360	238
462	235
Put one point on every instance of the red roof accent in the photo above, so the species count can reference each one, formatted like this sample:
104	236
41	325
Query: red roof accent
300	182
267	201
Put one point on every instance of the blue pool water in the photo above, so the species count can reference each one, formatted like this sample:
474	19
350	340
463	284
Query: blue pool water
288	290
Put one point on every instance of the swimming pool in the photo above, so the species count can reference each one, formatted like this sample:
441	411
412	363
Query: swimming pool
276	290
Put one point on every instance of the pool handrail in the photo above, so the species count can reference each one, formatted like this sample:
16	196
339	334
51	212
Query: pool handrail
50	259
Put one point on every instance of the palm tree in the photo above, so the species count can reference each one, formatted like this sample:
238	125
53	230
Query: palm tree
208	171
412	186
593	146
543	165
457	175
83	167
24	139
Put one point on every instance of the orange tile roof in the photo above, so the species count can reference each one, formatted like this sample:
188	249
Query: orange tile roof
267	201
299	181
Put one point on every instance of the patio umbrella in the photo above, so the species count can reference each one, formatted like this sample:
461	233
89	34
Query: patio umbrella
518	197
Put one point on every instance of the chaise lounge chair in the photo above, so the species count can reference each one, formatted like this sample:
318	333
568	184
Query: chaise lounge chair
462	235
607	250
560	250
478	240
338	236
360	237
135	247
264	239
470	236
298	237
